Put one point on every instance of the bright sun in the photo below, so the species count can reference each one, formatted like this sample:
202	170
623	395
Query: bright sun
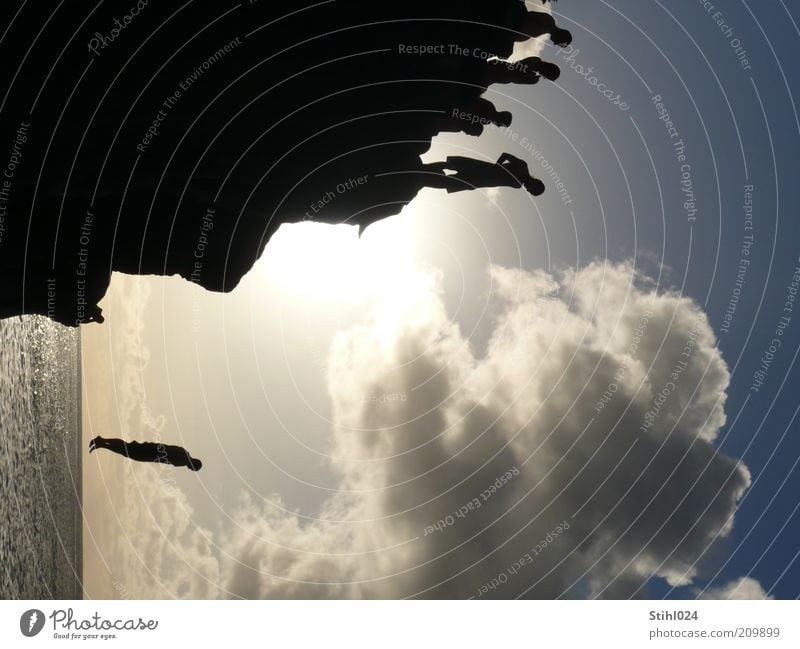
330	263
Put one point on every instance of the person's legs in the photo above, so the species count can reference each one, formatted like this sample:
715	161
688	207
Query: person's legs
468	174
113	444
435	175
139	451
116	445
435	167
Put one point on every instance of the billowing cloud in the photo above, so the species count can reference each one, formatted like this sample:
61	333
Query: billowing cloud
573	457
742	588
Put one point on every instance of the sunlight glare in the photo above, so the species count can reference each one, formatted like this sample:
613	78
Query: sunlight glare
331	264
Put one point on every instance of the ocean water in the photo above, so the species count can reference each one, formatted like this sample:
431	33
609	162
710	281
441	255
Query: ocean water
40	460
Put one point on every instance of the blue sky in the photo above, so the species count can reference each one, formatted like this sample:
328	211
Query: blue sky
740	128
265	402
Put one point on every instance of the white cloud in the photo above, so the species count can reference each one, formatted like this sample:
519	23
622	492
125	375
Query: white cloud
582	480
742	588
140	539
547	466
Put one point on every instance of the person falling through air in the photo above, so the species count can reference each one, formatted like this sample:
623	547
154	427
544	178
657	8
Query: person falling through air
148	452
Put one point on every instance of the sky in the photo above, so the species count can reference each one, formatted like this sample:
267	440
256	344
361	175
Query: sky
490	394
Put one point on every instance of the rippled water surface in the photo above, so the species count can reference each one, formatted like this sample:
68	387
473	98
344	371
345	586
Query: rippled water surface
40	462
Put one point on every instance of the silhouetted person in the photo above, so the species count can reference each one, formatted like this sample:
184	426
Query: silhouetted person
471	117
148	452
508	171
339	138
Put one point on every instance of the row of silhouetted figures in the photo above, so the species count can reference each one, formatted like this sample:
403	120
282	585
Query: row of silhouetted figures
279	111
409	104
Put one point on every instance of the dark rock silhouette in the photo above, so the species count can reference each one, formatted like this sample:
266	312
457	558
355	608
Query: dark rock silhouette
153	138
148	452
